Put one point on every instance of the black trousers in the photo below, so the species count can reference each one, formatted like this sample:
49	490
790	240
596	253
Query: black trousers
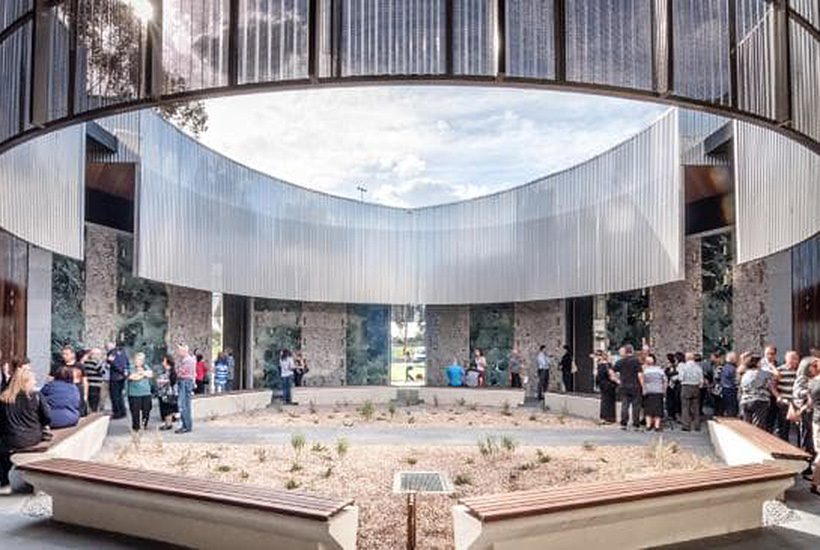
756	413
94	398
5	466
117	400
805	433
140	411
543	382
783	427
631	399
566	375
515	380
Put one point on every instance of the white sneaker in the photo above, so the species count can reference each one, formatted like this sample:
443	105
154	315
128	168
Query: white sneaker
5	490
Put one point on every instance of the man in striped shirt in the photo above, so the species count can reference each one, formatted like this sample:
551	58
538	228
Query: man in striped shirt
786	374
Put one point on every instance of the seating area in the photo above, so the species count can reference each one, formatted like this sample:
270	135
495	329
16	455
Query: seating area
636	513
737	442
198	513
80	442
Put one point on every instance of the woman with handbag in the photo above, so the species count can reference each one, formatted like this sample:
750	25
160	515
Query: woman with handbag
167	395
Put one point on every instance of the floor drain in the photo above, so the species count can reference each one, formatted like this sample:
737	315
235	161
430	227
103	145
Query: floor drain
421	482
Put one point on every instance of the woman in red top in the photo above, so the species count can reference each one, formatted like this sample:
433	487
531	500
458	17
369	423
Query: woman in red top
201	374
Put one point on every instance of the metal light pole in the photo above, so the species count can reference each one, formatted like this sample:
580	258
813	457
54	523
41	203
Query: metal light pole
362	190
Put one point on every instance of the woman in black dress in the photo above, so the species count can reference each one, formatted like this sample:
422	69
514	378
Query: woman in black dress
608	384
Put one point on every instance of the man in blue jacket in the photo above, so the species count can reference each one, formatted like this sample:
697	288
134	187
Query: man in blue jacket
117	367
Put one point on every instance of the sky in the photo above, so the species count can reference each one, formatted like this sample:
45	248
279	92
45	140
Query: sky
418	146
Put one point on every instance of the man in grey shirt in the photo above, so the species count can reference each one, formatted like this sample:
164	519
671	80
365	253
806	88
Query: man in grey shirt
690	375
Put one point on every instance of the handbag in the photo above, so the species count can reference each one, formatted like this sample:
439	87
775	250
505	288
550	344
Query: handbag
794	414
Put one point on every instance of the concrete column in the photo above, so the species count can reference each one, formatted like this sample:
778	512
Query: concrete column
38	323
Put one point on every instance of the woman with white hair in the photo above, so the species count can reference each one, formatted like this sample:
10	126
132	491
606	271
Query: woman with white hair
139	392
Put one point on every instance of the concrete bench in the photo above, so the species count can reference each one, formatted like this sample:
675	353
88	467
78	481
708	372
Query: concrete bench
195	513
214	405
737	442
638	513
79	442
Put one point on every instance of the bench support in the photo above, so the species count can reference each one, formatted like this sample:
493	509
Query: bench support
630	525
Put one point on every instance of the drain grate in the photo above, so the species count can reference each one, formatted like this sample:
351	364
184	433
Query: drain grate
421	482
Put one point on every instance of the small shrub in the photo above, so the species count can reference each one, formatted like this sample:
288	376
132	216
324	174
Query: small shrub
213	416
278	407
508	443
295	467
223	468
327	473
470	460
533	418
211	456
411	460
367	410
462	479
588	446
543	457
505	409
312	407
488	447
342	446
461	402
527	466
243	475
298	441
435	401
318	448
473	406
391	408
261	455
411	419
292	484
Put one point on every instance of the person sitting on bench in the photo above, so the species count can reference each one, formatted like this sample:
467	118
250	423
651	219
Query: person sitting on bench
63	398
24	415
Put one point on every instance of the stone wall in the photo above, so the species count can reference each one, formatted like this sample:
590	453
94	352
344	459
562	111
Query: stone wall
762	308
448	337
100	303
536	324
677	309
324	329
189	319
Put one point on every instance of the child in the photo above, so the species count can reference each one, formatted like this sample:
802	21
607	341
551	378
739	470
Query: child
221	373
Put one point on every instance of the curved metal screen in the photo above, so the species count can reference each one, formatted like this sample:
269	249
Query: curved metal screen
610	224
42	185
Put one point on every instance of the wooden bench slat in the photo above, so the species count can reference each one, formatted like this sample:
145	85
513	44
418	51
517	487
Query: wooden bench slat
147	477
766	442
617	486
529	503
297	504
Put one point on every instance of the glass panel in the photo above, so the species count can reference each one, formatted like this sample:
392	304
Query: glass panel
701	50
408	350
15	90
530	39
716	273
627	314
11	10
492	329
393	37
195	44
67	293
275	327
474	37
109	35
610	42
368	345
755	68
273	40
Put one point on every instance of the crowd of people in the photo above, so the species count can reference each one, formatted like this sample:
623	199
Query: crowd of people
781	398
80	383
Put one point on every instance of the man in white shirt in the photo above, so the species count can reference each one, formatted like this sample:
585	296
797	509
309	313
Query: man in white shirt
543	362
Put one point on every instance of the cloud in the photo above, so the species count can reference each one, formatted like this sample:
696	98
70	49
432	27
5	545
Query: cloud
414	146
